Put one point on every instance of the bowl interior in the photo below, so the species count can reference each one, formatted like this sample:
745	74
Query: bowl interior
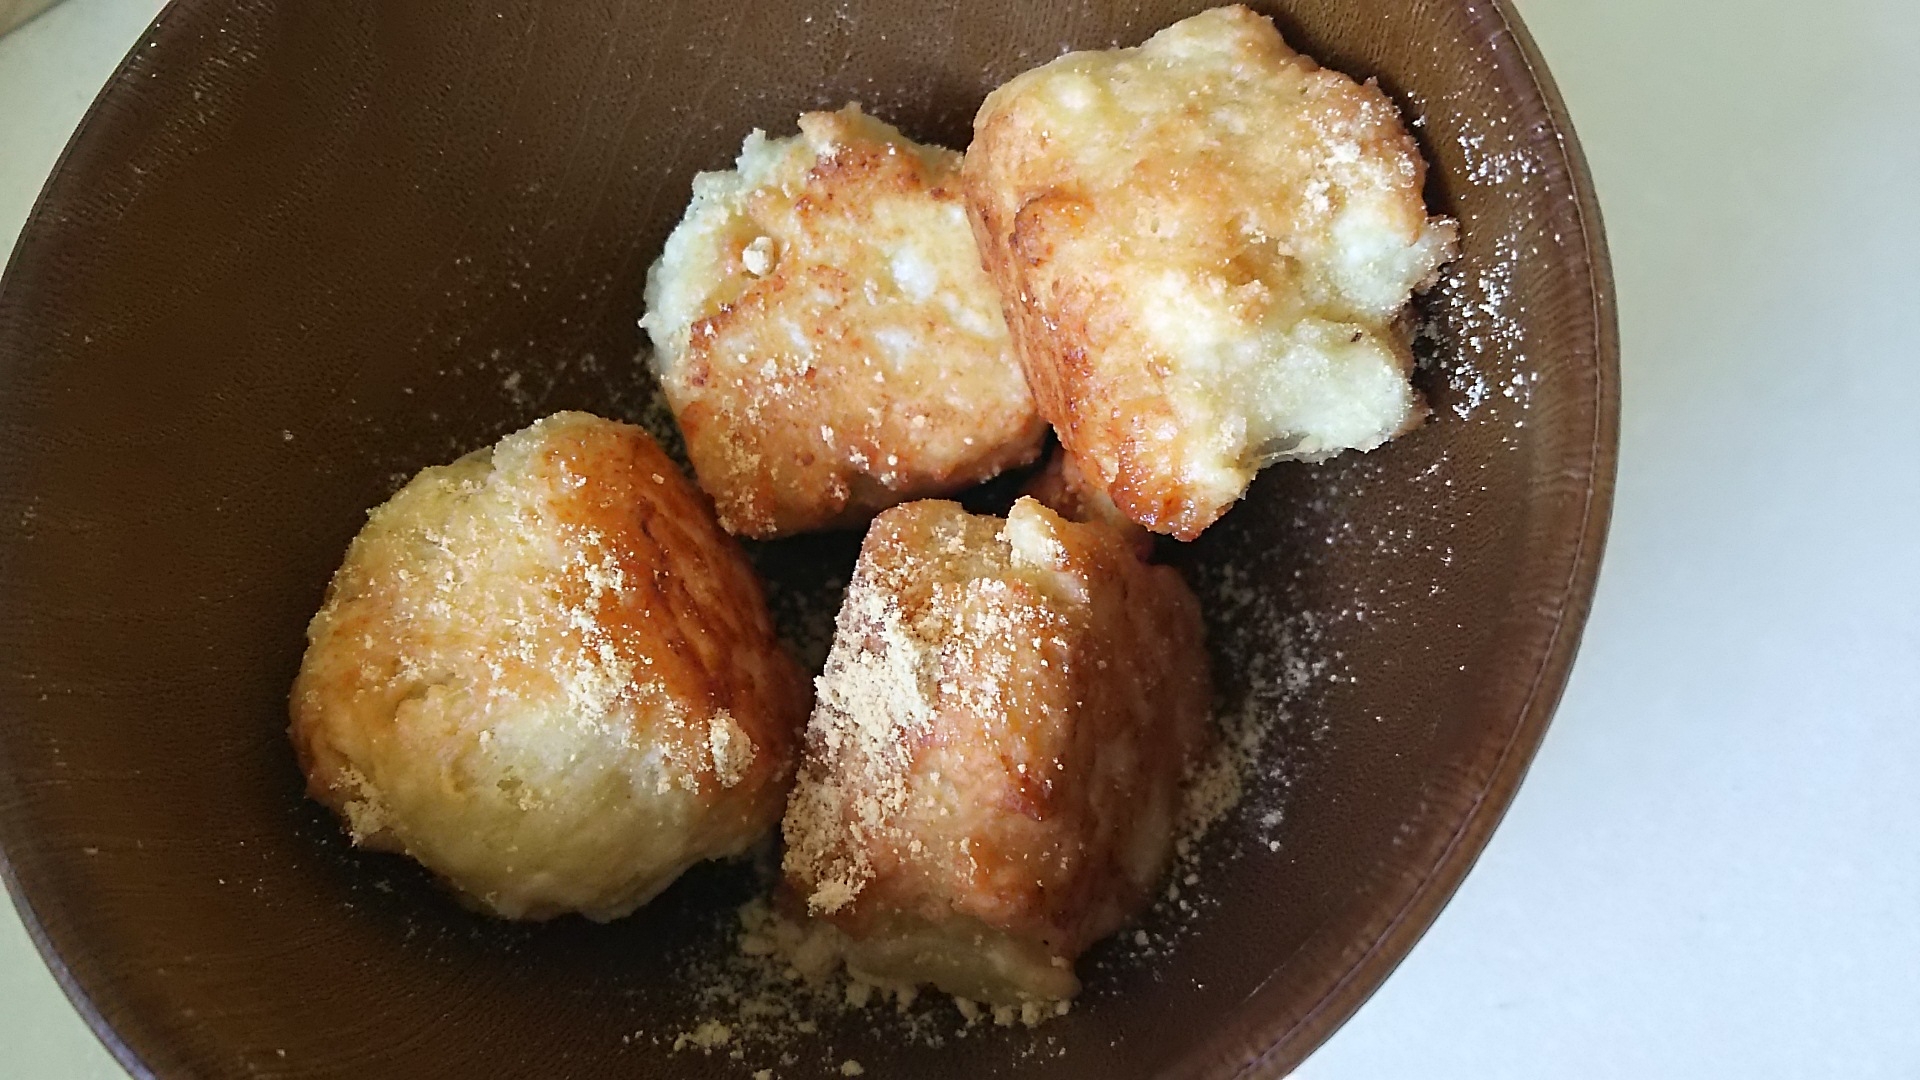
299	251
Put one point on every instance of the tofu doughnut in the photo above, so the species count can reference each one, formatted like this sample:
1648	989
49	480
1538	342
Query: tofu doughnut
544	672
1204	246
991	777
826	336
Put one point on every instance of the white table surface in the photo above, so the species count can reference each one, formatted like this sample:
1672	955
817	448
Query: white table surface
1713	868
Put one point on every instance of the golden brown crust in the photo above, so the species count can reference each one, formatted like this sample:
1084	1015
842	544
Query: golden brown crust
827	337
995	756
1063	487
691	611
1202	246
545	672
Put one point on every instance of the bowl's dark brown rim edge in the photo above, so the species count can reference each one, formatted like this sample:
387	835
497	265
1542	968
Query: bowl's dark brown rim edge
1288	1047
76	996
43	205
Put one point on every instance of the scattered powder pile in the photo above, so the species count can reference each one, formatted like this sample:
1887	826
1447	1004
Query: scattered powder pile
775	992
1475	322
1472	328
775	987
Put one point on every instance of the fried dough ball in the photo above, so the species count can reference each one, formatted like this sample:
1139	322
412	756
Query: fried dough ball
991	777
1204	246
826	336
545	673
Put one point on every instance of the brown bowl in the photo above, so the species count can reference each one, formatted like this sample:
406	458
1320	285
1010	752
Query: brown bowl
299	250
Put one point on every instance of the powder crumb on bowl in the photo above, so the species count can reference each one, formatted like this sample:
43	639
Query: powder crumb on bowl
778	983
709	1035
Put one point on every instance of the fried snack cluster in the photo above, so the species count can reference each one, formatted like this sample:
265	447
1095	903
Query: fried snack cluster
1204	247
826	336
991	776
546	673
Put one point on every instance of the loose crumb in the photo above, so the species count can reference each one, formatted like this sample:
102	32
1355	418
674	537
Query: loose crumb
710	1034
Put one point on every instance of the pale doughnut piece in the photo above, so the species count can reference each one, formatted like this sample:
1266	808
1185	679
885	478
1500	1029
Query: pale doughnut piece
826	335
545	673
1205	246
991	777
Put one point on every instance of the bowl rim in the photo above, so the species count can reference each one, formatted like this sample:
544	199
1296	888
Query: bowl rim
1282	1046
1289	1044
45	205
